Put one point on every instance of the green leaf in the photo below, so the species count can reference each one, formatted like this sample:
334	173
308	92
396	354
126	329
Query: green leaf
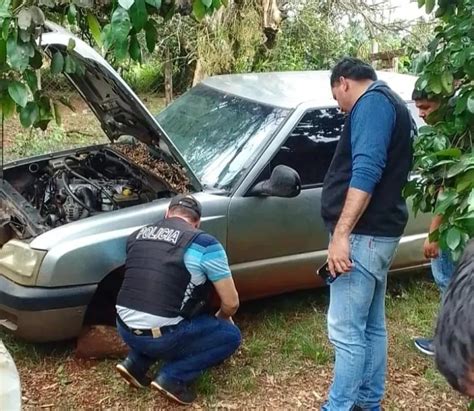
29	114
463	165
25	36
106	36
453	238
138	15
37	16
151	36
126	4
155	3
470	201
449	152
57	63
470	103
121	49
24	19
8	105
429	6
465	181
199	11
71	14
5	29
19	54
207	3
421	3
445	200
69	65
18	92
435	84
71	44
94	27
216	4
134	49
31	79
120	25
447	81
225	2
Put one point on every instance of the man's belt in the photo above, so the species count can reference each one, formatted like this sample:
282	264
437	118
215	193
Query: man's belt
147	332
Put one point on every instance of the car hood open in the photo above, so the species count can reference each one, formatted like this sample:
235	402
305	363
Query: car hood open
115	105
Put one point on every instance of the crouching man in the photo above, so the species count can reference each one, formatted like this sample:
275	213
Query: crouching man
170	270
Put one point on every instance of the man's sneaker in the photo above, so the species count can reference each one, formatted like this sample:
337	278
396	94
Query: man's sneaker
179	392
425	345
134	377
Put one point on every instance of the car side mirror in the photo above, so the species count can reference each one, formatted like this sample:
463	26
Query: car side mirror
284	182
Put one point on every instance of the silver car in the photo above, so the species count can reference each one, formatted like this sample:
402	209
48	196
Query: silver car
254	148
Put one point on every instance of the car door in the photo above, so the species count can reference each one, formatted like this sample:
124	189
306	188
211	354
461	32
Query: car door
275	243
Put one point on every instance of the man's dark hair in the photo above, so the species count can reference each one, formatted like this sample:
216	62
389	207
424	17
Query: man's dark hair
422	95
454	338
352	68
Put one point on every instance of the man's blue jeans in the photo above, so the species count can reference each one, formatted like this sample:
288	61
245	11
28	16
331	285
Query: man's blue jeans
442	268
187	350
356	325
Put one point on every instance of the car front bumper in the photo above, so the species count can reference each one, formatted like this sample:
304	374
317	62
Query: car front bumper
40	314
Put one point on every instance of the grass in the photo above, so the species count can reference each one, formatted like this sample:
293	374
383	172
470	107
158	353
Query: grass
285	342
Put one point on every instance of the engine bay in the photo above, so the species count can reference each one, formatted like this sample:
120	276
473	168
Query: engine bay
72	187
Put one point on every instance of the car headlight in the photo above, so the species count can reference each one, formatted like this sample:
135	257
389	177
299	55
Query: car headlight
19	262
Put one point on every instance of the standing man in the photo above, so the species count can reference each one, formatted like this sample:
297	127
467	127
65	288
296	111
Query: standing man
363	208
442	265
170	269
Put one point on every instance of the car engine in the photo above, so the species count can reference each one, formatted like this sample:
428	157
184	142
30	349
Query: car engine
75	187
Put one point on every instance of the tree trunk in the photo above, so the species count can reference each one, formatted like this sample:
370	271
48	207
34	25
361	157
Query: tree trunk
168	78
199	72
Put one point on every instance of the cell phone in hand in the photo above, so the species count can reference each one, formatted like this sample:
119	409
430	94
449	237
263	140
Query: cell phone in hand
325	274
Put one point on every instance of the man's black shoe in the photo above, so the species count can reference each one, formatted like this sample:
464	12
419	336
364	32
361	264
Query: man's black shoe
179	392
134	377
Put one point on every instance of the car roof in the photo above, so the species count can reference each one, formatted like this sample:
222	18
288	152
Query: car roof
290	89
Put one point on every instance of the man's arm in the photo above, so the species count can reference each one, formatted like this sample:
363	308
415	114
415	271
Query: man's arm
339	249
216	267
229	297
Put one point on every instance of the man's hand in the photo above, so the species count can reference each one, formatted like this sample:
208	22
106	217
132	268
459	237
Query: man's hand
224	317
339	252
431	250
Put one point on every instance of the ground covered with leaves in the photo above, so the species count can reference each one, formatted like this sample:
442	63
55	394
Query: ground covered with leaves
285	361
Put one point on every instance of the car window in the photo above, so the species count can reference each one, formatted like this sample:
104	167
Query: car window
310	146
219	134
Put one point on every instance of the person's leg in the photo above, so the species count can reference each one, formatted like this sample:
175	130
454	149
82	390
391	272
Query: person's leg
351	297
136	365
205	342
442	268
373	385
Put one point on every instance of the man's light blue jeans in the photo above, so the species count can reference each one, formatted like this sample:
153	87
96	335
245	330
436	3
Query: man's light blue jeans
442	268
356	326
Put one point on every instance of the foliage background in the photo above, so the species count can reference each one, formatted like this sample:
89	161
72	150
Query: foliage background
444	156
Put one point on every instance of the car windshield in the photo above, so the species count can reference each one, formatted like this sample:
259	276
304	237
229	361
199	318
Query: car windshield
219	134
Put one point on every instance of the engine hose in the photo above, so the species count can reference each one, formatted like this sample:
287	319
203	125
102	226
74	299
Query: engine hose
70	192
88	196
101	189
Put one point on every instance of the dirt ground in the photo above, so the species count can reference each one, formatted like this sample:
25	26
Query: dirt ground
266	373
